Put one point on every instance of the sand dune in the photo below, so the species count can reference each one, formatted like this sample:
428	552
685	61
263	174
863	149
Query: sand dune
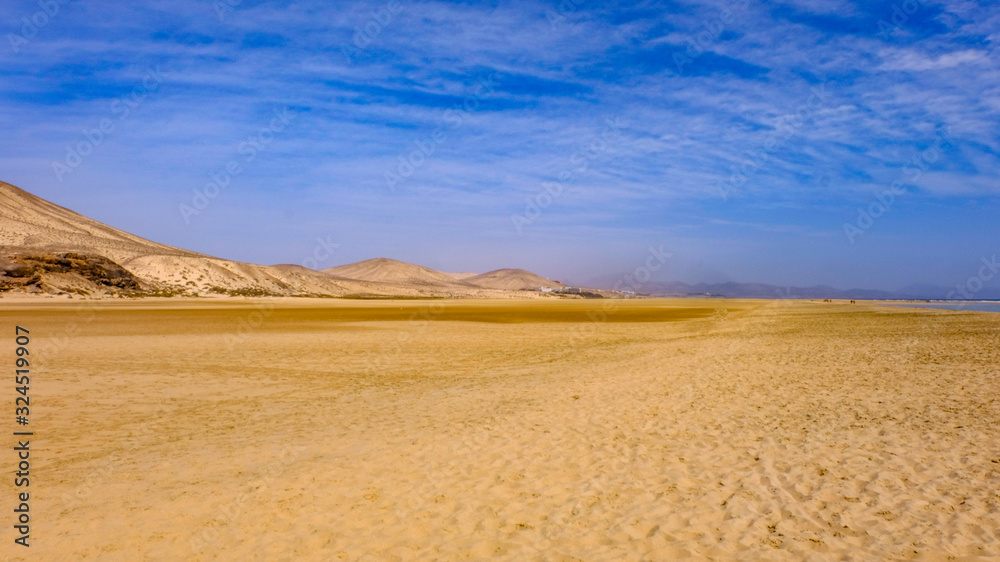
31	225
511	280
384	270
214	275
30	222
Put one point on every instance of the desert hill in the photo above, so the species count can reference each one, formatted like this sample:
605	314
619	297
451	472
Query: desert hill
28	221
48	249
51	249
385	270
511	280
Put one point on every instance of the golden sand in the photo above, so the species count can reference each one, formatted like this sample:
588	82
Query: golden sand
550	430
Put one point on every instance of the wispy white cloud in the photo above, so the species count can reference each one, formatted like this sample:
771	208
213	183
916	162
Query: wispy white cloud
913	60
746	89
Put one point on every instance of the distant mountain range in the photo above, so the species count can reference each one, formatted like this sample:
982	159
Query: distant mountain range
47	249
764	291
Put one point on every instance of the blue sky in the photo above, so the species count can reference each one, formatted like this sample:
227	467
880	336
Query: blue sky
566	138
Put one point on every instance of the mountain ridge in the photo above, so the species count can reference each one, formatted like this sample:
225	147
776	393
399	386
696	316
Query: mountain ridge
49	249
733	289
46	248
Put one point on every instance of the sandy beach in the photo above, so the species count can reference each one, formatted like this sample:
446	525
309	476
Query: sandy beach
326	429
